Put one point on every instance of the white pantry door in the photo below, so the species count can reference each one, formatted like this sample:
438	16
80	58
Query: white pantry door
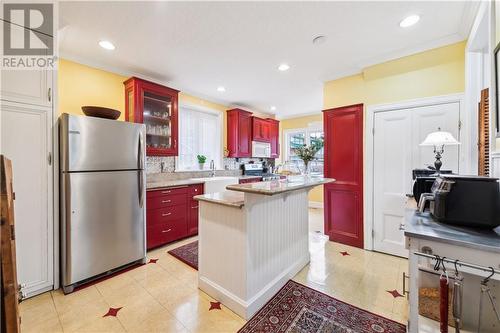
396	152
26	139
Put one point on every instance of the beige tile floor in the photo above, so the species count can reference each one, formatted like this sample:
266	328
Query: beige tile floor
164	297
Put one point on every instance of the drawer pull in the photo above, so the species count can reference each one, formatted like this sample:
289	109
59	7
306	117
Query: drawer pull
165	192
194	207
166	201
196	190
166	214
165	231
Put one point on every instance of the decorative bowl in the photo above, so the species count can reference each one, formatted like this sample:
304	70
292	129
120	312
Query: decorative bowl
101	112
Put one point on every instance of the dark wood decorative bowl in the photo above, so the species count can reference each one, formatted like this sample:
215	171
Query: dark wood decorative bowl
100	112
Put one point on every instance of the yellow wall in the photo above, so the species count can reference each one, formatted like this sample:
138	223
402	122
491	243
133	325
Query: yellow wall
435	72
80	85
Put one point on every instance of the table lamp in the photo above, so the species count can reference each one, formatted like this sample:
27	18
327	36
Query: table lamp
439	139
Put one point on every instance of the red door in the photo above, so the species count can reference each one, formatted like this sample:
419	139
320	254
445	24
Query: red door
343	199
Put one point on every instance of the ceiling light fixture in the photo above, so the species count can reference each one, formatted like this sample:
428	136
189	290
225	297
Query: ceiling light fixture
221	89
283	67
273	108
106	44
409	21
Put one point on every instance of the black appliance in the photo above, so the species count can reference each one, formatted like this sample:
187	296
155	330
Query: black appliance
471	201
423	180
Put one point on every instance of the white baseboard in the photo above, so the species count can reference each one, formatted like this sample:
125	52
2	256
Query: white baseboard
246	309
315	204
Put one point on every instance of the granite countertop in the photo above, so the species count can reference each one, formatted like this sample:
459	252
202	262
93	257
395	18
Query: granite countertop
171	183
279	186
424	226
227	198
188	181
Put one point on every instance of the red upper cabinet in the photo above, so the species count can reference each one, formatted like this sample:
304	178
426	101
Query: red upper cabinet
155	106
274	135
261	130
239	132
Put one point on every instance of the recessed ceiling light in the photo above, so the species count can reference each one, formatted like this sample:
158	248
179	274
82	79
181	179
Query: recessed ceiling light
273	108
409	21
221	89
319	40
106	44
283	67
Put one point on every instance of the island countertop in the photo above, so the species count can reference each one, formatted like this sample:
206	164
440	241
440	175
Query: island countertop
424	226
227	198
279	186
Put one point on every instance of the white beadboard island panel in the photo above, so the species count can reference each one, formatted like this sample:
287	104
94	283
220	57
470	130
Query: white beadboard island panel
248	252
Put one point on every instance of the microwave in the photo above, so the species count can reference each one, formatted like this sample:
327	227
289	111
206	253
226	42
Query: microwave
261	149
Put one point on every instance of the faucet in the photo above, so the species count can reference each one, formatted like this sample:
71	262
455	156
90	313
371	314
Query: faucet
212	168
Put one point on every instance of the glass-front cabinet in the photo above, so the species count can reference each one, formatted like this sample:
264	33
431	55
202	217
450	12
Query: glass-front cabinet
155	106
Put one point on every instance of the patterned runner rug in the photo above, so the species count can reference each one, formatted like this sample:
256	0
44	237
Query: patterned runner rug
188	254
300	309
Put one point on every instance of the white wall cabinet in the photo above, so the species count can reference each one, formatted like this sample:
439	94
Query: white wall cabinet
26	133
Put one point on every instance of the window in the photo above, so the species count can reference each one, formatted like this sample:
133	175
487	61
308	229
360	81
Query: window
200	133
295	138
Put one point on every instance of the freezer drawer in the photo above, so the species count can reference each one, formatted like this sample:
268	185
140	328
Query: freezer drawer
95	144
103	222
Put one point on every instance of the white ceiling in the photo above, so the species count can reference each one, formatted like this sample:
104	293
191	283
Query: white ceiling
197	46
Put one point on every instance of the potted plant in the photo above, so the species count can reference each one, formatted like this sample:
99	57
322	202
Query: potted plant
201	161
307	153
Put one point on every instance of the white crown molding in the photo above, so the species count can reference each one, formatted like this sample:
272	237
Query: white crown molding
297	115
469	14
433	44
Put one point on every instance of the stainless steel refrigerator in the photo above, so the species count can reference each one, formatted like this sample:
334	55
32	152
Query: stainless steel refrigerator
102	197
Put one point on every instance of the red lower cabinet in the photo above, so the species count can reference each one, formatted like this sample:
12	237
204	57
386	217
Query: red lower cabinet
171	214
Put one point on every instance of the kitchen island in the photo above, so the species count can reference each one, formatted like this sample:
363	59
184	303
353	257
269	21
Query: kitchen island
252	240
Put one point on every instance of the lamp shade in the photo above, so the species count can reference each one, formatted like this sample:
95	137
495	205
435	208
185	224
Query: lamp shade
440	138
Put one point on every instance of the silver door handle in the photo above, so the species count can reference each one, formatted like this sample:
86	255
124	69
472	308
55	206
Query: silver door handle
165	231
140	153
166	214
141	188
166	201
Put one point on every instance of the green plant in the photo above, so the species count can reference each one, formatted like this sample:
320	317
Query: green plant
201	159
307	153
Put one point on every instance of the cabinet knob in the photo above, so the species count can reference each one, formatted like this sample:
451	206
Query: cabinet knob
165	231
166	201
194	207
165	192
166	214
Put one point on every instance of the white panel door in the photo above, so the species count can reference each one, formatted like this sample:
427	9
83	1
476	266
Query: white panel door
428	119
396	152
391	167
26	139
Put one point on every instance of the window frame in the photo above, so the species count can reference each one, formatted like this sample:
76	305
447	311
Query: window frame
220	122
312	127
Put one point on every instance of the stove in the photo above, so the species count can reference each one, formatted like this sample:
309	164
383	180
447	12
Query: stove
257	169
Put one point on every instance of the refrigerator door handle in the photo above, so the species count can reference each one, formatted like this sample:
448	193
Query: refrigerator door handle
140	153
140	182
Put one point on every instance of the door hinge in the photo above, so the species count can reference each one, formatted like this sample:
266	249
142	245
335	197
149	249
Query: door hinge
49	94
459	125
373	130
373	233
12	233
49	158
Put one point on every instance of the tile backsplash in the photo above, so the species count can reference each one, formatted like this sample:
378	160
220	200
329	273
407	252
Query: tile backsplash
161	164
